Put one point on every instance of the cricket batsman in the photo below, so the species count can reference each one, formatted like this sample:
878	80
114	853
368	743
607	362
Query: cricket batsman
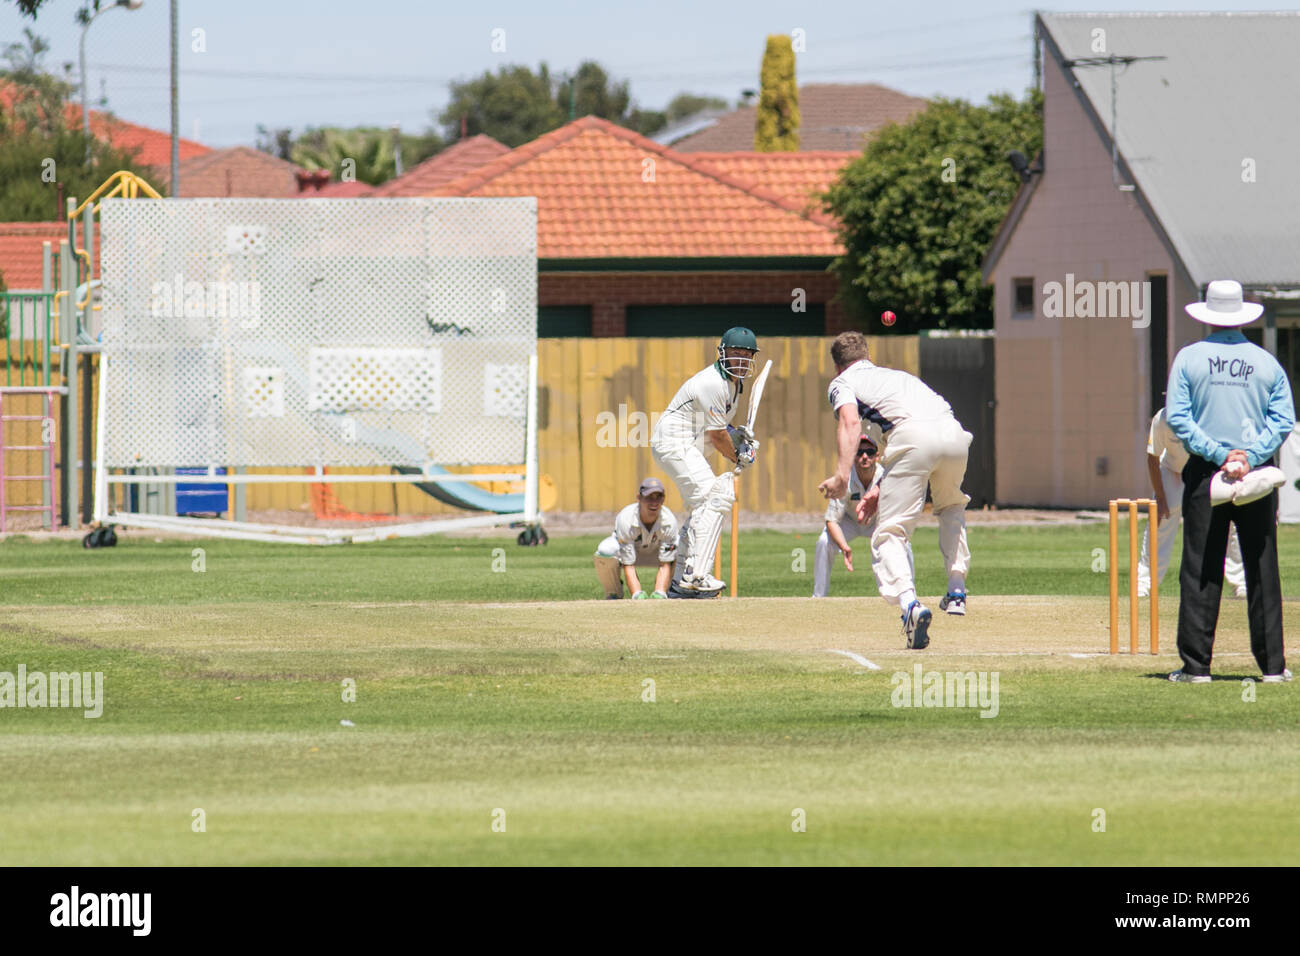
925	446
645	535
698	421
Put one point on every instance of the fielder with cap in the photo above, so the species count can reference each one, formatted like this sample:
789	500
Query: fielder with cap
925	446
854	515
697	422
645	535
1229	403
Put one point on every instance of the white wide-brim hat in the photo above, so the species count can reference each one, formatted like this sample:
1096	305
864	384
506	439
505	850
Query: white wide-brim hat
1223	306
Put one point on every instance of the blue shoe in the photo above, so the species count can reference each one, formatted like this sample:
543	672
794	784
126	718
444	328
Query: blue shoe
916	626
954	602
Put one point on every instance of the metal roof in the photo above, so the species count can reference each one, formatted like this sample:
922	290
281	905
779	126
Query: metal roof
1227	91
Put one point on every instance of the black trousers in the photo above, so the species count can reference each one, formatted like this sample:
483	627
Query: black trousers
1205	543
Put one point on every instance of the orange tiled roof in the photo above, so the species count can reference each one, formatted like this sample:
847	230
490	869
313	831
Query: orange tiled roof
20	251
239	171
453	162
795	175
151	147
833	116
594	200
341	190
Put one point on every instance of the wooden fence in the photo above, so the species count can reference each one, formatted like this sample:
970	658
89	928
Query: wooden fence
597	404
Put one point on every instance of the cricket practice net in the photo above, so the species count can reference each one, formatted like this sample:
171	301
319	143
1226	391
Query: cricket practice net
252	333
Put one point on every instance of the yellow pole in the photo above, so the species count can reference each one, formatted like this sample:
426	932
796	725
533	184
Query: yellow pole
1114	576
735	539
1132	577
1155	578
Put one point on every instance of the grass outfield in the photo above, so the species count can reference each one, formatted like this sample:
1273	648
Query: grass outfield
479	690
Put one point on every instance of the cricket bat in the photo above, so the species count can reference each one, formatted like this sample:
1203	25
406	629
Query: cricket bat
757	395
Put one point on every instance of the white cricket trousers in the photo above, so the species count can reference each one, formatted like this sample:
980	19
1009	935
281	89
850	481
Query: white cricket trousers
706	497
824	559
610	572
1234	572
921	453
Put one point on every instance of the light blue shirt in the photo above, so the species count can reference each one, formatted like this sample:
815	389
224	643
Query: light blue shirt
1225	392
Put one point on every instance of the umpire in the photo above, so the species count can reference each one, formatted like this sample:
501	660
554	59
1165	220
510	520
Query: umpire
1229	401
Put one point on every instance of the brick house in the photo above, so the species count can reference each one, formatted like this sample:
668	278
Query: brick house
833	116
1199	187
636	239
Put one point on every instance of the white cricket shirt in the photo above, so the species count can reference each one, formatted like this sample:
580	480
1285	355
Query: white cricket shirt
635	539
886	396
706	402
836	508
1164	444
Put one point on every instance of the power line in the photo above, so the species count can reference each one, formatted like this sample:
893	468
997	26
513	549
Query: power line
407	80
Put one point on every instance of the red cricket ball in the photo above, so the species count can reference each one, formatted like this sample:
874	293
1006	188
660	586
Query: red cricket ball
888	318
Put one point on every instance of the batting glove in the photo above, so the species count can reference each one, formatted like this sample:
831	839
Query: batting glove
660	595
639	596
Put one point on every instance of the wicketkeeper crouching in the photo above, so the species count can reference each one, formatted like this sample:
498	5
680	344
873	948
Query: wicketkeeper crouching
645	535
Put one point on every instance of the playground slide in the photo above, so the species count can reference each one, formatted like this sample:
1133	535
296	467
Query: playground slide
464	495
456	494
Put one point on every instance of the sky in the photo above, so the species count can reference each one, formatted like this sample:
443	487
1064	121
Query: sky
305	63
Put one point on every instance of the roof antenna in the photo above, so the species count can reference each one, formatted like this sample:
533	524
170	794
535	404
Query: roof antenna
1112	60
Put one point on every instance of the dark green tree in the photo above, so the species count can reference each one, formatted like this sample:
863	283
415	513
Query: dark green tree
920	207
513	106
40	150
29	8
684	104
593	94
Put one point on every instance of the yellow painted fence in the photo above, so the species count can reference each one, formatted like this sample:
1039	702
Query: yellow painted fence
598	401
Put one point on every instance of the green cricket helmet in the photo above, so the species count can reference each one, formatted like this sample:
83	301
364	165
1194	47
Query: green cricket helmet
737	366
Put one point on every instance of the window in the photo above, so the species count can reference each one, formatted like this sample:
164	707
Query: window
563	321
1022	299
675	321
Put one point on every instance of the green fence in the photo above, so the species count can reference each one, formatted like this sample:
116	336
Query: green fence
28	322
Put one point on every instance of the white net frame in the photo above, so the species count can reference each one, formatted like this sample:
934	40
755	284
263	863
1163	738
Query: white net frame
319	333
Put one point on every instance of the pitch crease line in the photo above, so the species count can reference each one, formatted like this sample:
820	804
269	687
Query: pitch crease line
856	658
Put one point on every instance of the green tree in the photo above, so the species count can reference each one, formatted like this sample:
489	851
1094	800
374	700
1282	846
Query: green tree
646	122
39	151
920	207
684	104
278	141
29	8
776	123
593	94
513	106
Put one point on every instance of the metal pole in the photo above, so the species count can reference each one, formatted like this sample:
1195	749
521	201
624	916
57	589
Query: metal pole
85	109
68	361
1114	145
176	113
87	438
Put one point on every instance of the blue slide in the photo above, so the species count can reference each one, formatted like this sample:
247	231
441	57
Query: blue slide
465	495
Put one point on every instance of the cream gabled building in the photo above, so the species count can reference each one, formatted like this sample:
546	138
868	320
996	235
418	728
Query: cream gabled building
1204	184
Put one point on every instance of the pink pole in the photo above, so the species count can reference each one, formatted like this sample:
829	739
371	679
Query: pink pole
2	463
